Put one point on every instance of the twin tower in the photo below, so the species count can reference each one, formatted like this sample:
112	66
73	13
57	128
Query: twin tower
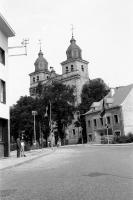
74	71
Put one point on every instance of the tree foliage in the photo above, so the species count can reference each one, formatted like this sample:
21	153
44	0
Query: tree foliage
61	99
93	91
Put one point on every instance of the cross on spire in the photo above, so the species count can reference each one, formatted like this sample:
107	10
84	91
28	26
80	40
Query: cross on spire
72	28
40	43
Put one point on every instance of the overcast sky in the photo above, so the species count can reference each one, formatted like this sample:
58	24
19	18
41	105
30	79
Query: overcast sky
102	28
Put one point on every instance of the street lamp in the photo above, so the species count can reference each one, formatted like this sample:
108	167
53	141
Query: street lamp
78	115
34	113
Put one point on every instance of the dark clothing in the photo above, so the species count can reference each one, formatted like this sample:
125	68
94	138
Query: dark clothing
18	147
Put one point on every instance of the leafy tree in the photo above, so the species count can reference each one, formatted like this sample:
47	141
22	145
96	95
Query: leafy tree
61	99
93	91
57	96
21	117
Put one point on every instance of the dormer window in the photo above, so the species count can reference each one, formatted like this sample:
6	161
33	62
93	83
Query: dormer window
37	78
33	79
72	68
82	68
66	69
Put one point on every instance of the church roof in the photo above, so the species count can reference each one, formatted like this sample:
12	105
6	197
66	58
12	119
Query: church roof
41	63
73	51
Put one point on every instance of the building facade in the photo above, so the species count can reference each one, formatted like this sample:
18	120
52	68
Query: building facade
74	71
5	32
118	117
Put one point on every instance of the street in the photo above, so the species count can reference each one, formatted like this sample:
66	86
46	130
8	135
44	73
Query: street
79	172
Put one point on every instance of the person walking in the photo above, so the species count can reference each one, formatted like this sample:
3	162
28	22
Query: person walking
22	148
18	147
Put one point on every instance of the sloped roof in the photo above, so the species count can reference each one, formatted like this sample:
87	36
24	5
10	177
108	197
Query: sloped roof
120	94
5	27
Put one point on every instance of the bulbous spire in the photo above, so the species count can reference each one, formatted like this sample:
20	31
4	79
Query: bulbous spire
41	63
73	51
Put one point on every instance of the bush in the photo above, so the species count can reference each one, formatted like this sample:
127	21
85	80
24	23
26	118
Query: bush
123	139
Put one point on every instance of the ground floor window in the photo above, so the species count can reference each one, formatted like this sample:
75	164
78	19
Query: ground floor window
117	133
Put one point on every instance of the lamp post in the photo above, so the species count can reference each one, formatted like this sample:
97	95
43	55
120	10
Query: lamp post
34	113
78	114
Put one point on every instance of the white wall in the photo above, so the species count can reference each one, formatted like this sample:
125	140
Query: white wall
127	108
4	108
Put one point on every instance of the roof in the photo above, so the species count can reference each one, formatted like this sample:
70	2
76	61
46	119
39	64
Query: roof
121	94
5	27
113	100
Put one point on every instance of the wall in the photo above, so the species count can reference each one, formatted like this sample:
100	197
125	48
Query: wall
113	126
127	108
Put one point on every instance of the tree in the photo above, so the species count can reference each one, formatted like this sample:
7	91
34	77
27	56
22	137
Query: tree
93	91
61	99
21	117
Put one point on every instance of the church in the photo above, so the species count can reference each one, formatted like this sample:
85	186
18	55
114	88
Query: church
74	73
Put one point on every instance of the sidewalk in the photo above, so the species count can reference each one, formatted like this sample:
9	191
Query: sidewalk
13	161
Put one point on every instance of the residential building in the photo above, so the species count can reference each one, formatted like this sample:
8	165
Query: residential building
5	32
118	117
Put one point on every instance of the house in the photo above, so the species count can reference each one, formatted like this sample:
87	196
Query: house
5	32
118	117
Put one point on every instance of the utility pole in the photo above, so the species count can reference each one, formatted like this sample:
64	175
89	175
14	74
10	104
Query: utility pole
34	113
23	45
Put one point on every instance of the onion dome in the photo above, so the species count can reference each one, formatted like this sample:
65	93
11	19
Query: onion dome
73	51
41	63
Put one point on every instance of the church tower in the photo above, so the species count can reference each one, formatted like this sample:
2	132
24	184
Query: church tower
75	69
40	75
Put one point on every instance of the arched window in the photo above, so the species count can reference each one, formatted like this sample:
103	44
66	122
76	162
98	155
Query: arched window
82	67
37	78
33	79
72	69
66	69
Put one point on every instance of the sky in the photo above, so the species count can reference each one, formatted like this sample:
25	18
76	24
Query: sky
102	28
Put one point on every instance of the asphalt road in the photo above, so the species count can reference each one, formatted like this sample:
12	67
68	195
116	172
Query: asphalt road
72	173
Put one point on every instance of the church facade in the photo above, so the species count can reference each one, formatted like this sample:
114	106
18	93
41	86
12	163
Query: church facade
74	73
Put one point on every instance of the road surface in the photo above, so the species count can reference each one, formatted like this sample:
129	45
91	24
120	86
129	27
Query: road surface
79	172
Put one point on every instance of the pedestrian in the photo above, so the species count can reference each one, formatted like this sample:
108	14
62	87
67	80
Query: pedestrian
18	147
59	142
22	148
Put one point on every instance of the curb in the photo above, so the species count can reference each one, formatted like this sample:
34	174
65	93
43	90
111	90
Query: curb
29	160
115	145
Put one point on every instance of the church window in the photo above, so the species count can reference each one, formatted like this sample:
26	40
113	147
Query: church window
66	69
37	78
72	68
2	56
33	79
82	67
2	91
